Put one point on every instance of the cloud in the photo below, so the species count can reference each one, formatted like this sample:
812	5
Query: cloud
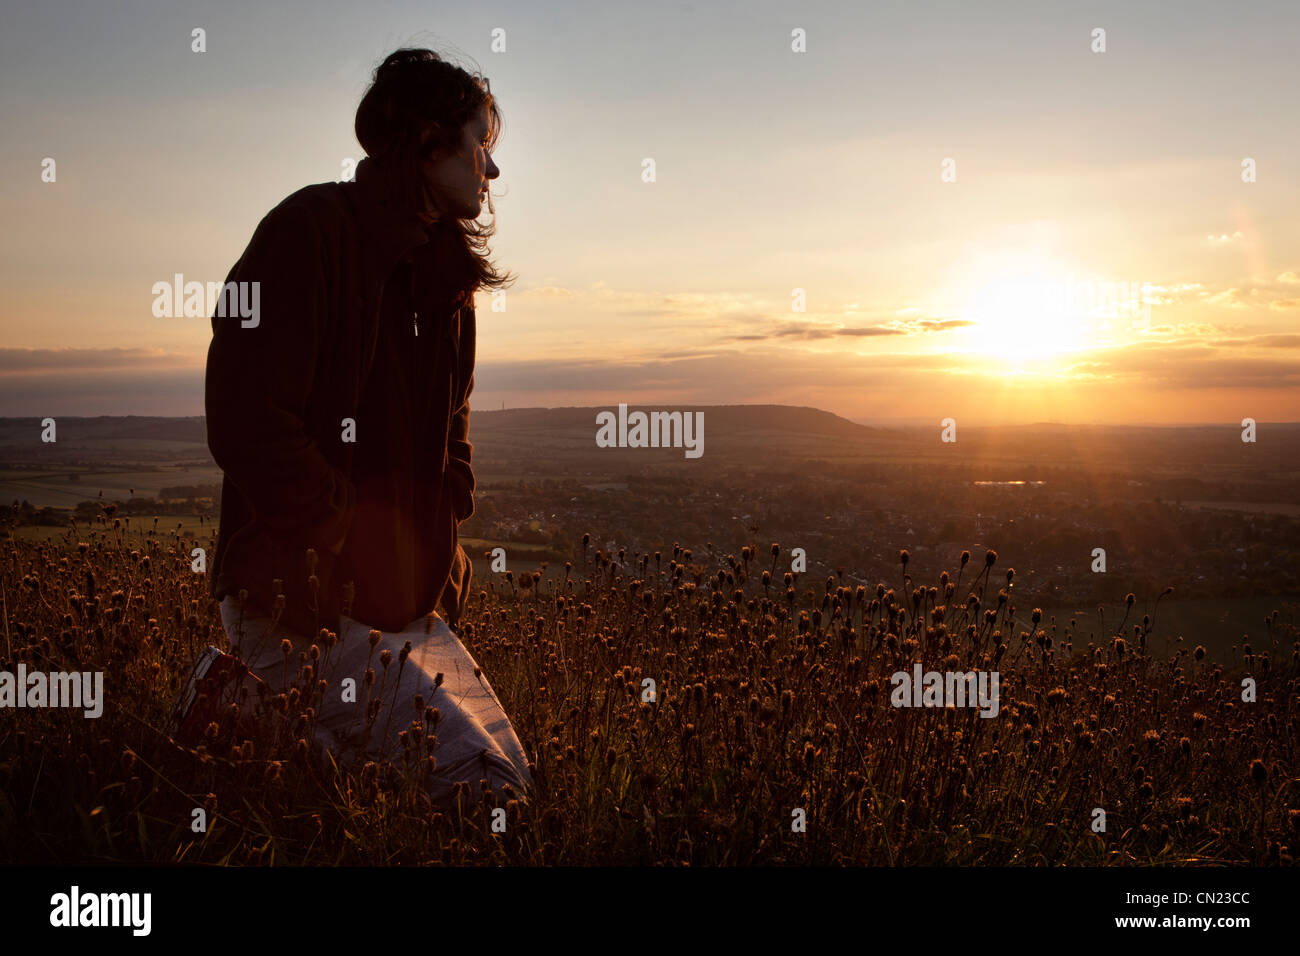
786	372
39	382
868	330
1175	294
1196	366
744	317
812	330
20	361
1223	239
1245	293
943	325
548	292
809	331
1232	298
1184	330
1280	340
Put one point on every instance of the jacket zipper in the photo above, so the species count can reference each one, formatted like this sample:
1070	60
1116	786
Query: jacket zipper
410	291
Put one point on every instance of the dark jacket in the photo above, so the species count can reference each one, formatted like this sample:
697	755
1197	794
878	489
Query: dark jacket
339	428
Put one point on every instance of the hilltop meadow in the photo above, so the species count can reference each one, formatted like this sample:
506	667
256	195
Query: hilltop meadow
689	689
771	705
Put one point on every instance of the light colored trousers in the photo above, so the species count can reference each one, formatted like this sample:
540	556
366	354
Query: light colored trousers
475	738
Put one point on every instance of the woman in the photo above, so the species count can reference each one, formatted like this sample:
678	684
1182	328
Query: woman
340	418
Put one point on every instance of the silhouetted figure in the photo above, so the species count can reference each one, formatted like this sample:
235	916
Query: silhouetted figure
339	414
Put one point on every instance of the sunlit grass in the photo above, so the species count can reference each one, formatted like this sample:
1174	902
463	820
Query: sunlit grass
771	693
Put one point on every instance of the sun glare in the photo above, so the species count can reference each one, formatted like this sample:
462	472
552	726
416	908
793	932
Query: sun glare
1024	316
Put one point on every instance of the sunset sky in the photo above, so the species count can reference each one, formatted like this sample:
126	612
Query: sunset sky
776	171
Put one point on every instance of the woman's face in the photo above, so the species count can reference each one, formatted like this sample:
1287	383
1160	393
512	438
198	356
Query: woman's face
459	181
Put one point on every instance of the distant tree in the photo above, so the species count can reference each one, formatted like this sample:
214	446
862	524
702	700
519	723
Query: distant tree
562	542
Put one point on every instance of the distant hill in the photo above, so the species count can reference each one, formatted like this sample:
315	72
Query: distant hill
734	428
71	428
718	419
794	419
561	441
515	441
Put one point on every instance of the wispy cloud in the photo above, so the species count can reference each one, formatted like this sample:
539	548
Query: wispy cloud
1274	294
66	361
1281	340
812	330
1198	367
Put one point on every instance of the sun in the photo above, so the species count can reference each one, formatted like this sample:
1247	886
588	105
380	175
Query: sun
1023	316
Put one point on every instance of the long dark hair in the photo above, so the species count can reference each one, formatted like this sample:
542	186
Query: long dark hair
415	91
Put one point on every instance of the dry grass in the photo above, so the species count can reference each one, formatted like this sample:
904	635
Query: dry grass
772	694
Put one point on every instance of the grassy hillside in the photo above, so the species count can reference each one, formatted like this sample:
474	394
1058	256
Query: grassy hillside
772	696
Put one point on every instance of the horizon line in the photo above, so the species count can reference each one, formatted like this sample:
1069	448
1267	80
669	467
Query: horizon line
911	422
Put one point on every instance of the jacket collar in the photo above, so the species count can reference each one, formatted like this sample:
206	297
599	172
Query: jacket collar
390	231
